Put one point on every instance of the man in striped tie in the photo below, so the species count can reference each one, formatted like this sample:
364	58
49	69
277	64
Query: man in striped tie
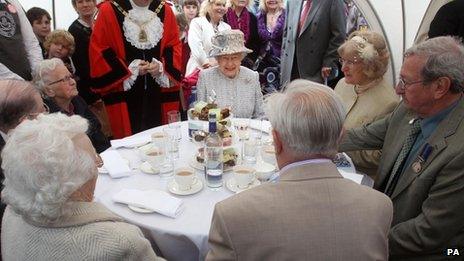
422	164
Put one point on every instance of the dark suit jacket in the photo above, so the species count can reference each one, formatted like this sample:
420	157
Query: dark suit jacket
316	46
428	205
98	139
449	20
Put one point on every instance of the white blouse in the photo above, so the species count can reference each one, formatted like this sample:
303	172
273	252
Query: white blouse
199	39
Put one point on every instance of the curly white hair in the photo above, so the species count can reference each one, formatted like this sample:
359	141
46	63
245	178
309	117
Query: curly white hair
43	166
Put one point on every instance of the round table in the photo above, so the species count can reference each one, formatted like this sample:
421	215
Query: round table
182	238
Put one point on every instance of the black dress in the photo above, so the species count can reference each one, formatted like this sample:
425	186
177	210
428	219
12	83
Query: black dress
80	58
98	139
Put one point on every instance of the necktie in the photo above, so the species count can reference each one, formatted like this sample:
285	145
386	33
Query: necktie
304	14
396	171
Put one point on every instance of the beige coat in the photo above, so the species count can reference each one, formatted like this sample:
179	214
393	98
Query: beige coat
372	102
311	213
88	232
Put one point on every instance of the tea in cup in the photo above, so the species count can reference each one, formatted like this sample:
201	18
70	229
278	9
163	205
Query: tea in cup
244	176
185	178
155	156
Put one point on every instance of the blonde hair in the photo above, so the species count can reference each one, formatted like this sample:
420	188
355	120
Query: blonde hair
60	37
376	66
206	6
263	7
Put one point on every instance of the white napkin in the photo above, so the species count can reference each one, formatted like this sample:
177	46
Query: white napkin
115	164
353	176
131	142
156	200
264	126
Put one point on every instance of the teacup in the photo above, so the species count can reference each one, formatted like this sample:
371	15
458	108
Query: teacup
154	155
264	170
268	154
185	178
243	176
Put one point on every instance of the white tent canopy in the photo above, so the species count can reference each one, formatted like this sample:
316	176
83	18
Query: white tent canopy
401	21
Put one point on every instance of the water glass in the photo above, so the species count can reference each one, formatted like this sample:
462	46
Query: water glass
173	116
172	143
160	140
250	152
242	127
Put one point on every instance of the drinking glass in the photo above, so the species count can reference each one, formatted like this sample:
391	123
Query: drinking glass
242	128
174	123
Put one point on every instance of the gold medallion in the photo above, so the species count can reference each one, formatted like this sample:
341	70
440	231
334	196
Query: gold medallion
417	166
143	36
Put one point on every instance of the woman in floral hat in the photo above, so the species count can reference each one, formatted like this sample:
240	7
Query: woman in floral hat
364	91
231	84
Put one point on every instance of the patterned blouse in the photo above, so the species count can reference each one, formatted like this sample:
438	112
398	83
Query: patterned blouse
242	93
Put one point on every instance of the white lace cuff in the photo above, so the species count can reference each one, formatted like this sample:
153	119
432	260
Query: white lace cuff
134	69
162	79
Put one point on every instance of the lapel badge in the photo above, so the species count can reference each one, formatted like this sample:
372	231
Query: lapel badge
417	166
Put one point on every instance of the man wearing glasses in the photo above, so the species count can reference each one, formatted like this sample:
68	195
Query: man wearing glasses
422	164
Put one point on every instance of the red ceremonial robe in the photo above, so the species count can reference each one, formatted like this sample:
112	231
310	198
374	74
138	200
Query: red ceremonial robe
143	106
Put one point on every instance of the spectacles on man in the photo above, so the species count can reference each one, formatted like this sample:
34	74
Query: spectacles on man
67	78
348	62
404	85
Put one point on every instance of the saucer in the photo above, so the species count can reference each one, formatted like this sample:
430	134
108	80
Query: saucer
232	186
196	187
201	166
139	209
146	168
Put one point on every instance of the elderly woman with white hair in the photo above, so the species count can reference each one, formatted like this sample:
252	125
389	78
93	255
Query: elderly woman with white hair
364	91
201	30
230	84
57	85
50	175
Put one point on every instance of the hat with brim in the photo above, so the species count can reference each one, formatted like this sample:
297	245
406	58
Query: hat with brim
228	42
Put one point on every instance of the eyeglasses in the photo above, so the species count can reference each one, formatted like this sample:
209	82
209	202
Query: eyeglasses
67	78
348	62
403	84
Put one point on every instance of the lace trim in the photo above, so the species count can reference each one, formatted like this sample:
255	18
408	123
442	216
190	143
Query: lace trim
145	20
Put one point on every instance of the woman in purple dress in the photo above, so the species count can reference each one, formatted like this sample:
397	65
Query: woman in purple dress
271	22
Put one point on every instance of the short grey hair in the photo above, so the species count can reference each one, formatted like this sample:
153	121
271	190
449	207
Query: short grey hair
17	100
41	76
308	117
43	167
445	58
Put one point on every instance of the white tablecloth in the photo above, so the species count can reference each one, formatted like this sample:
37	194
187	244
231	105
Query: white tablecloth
183	238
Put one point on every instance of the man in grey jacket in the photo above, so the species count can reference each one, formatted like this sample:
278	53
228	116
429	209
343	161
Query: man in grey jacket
313	32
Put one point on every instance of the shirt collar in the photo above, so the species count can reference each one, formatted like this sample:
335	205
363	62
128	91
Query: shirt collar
276	176
428	125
